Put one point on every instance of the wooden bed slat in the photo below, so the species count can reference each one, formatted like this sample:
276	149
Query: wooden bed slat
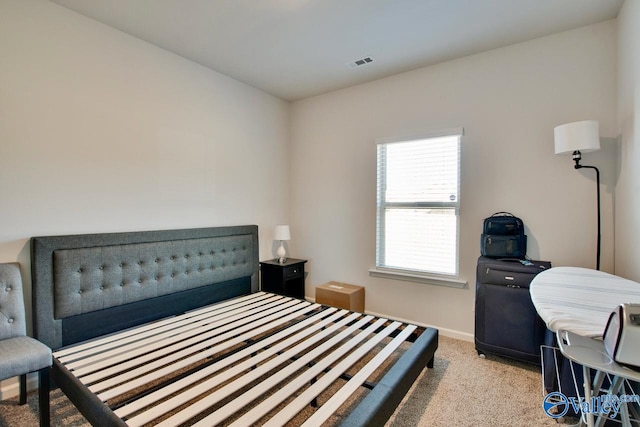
176	386
94	344
185	357
198	342
336	356
307	396
249	377
306	328
310	353
330	406
169	332
154	349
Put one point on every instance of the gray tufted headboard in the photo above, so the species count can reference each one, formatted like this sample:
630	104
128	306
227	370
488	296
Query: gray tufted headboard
90	285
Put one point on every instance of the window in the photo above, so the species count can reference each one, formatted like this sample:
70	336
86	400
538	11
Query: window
418	204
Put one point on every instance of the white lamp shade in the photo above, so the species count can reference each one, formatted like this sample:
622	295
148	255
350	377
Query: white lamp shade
581	136
281	232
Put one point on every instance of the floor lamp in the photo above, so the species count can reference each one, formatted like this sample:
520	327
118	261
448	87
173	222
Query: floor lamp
577	138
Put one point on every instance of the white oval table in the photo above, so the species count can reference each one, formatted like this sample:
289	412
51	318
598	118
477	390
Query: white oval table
580	300
575	303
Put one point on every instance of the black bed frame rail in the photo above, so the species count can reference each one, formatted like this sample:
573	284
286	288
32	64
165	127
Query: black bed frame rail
379	404
374	410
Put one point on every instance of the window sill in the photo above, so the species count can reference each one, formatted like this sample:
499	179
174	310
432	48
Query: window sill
418	278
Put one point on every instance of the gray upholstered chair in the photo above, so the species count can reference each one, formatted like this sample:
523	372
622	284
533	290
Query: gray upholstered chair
20	354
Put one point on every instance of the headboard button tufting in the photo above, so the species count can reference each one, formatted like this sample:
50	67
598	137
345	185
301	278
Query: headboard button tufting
145	269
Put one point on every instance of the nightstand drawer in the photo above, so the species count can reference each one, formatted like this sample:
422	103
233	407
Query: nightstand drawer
292	272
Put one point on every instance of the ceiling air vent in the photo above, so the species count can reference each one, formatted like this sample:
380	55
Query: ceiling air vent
360	62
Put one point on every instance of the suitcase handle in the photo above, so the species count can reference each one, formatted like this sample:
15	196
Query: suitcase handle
523	261
502	213
512	260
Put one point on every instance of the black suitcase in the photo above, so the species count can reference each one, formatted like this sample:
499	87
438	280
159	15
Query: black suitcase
506	322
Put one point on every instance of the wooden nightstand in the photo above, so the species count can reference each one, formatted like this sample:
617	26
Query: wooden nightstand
284	279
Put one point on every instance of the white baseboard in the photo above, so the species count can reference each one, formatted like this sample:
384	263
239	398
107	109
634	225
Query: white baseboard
451	333
10	388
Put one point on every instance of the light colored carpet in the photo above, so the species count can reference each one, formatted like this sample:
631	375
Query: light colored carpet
465	390
461	390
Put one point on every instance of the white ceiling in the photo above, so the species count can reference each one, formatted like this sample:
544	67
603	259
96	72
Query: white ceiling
299	48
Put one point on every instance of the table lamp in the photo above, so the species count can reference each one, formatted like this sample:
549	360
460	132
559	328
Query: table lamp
577	138
282	233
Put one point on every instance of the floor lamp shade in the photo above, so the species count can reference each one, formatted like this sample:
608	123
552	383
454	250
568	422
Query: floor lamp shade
581	136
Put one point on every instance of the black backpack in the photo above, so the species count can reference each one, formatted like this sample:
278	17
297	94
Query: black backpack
503	236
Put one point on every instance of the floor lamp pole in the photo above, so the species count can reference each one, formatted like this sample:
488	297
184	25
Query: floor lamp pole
583	135
579	166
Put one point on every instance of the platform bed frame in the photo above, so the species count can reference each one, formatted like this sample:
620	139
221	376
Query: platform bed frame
170	328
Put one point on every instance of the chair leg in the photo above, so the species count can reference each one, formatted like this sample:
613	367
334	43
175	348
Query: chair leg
43	397
23	389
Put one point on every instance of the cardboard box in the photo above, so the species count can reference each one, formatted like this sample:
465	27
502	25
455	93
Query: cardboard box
341	295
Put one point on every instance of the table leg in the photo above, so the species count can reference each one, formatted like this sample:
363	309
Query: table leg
586	372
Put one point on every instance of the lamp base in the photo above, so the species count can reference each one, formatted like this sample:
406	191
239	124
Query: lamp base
281	253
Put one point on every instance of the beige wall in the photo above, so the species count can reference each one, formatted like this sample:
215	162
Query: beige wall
508	101
627	201
103	132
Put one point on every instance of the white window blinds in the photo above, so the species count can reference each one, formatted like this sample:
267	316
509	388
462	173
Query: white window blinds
418	204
